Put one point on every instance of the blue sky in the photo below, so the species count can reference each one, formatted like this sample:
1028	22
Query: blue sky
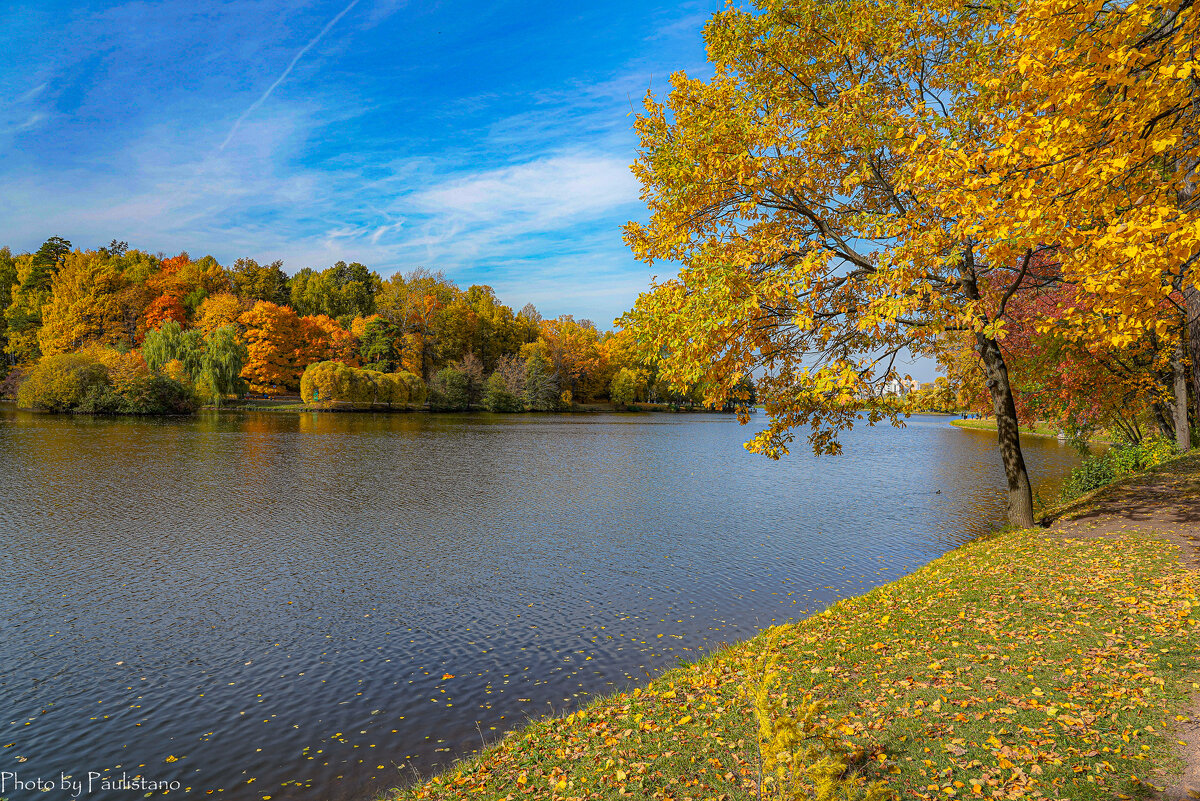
490	139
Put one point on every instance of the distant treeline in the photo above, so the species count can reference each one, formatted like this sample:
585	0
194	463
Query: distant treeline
123	331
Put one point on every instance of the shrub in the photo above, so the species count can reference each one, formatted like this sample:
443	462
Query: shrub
145	395
157	394
417	390
321	383
60	383
803	756
1094	473
498	397
326	383
75	382
12	382
450	390
1118	462
388	391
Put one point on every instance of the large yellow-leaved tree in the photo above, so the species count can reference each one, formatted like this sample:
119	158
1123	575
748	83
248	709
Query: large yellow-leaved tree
809	257
1090	141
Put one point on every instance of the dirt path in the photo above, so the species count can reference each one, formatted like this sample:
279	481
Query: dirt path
1165	501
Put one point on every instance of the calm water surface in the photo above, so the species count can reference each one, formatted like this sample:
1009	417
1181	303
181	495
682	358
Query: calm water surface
324	604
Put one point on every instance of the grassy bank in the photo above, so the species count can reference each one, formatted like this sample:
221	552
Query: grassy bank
1028	664
990	425
1029	431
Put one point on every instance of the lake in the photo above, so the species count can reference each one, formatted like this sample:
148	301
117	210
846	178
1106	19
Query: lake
320	606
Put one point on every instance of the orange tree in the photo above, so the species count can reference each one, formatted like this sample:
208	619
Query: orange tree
810	257
274	343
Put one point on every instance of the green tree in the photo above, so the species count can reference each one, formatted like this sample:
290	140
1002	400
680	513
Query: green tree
170	343
541	389
221	364
47	260
628	387
254	281
377	346
309	292
343	292
8	279
356	288
450	390
23	317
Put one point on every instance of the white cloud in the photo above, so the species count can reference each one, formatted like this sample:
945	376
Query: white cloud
32	93
537	195
30	122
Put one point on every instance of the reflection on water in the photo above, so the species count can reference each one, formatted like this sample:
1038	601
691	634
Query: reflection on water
324	603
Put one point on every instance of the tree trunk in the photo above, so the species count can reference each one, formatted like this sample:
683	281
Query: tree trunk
1191	297
1183	437
1020	494
1163	416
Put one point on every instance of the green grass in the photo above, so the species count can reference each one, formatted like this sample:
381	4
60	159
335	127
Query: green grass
1032	431
1021	665
990	425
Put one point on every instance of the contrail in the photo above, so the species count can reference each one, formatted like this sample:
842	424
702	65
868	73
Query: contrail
281	78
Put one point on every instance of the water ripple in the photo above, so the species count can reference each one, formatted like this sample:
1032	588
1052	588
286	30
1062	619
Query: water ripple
329	604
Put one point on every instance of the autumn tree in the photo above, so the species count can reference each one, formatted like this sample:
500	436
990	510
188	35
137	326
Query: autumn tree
273	336
812	257
1090	141
323	339
200	279
181	285
459	329
576	356
124	368
34	278
218	311
1056	373
169	291
165	308
85	303
413	303
137	267
627	387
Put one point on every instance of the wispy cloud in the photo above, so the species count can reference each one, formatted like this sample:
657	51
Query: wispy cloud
32	93
30	122
287	71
